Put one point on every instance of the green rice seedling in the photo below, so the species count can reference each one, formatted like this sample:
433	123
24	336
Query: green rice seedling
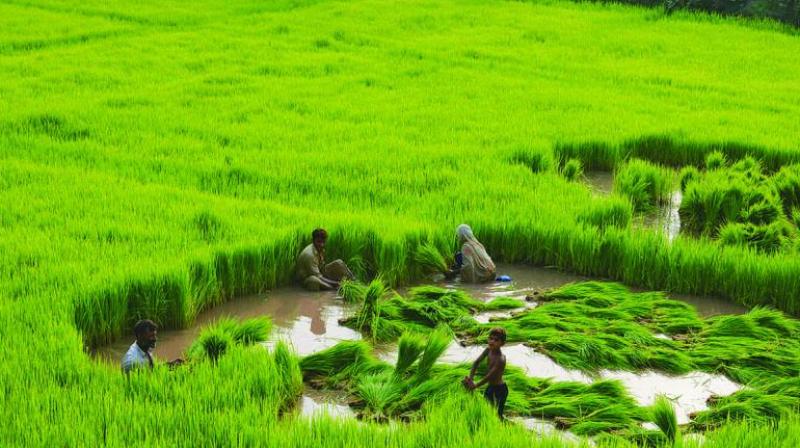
379	392
218	337
533	159
687	175
787	184
252	330
437	343
663	415
645	184
429	257
594	155
288	368
572	170
334	359
352	291
716	160
503	303
409	348
212	343
614	211
368	317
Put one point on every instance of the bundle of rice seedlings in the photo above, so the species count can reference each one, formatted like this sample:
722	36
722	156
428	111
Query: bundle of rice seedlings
687	175
212	343
215	339
289	372
503	303
379	392
336	358
428	256
252	331
715	160
367	316
573	170
663	415
438	341
352	291
409	347
450	297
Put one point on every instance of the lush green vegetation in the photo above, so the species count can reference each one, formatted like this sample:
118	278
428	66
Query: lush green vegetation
158	158
587	326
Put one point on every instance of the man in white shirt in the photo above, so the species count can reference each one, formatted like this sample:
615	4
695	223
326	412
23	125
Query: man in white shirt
138	355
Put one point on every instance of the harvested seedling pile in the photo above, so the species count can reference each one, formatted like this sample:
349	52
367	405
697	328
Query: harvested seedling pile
217	338
425	308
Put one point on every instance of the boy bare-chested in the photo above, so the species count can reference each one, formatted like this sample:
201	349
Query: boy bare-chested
497	392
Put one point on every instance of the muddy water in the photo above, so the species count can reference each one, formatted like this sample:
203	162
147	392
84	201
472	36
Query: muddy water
316	402
666	217
687	392
601	182
310	321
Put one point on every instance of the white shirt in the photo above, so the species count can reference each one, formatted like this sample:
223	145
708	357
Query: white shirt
135	358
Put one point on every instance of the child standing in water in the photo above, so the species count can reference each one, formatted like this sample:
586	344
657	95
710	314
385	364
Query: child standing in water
497	392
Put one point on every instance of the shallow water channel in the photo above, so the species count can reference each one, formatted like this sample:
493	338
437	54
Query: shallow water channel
310	322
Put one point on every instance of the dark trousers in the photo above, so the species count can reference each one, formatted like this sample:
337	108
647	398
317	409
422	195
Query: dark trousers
497	396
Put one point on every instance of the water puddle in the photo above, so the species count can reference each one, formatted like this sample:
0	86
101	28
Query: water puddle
309	321
601	182
666	217
688	393
314	403
545	428
533	363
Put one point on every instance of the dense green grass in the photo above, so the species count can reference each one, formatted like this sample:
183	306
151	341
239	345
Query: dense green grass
158	158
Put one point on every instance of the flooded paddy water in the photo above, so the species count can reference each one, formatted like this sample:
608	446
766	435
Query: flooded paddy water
310	323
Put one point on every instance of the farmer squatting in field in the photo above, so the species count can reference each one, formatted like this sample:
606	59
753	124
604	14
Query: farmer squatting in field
473	263
312	271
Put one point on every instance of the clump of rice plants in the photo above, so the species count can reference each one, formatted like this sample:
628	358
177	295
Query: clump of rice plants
409	347
572	170
215	340
429	257
687	175
644	183
368	318
437	343
536	160
424	309
352	291
715	160
663	415
613	211
289	371
741	206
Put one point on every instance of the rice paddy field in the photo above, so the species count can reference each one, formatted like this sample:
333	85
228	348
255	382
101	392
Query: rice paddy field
158	159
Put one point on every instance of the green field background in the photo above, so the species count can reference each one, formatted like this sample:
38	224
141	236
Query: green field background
157	158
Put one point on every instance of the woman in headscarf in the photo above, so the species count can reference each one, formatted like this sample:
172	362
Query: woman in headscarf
472	262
